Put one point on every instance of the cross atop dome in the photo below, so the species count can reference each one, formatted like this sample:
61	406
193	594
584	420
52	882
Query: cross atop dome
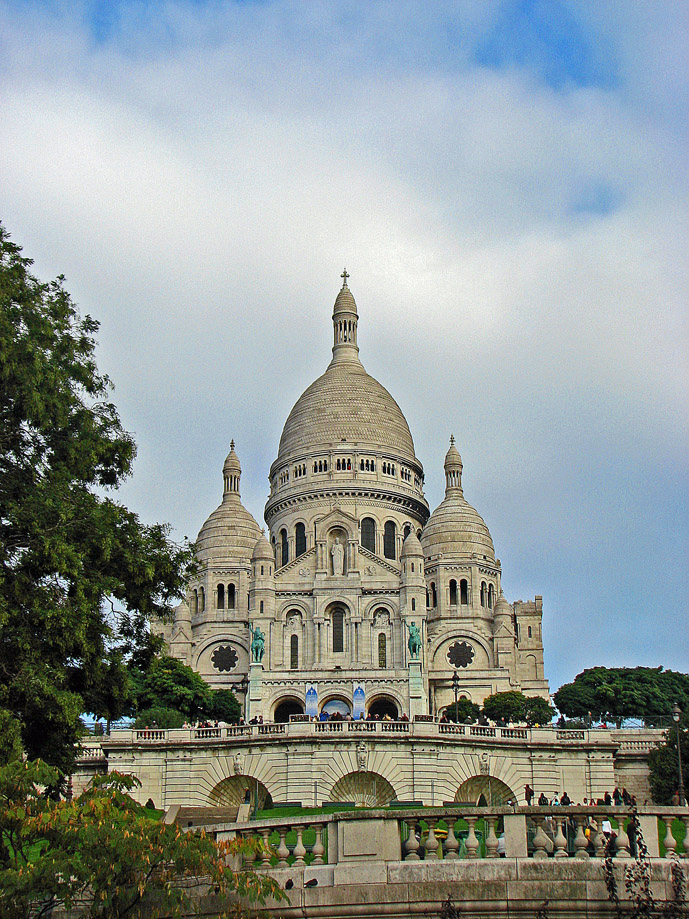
344	276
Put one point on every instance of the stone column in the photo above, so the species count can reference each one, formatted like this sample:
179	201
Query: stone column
418	701
254	703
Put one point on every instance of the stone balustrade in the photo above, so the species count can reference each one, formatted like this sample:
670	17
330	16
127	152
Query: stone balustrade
424	727
455	832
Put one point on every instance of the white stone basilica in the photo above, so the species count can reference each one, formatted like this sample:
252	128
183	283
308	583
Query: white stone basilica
354	563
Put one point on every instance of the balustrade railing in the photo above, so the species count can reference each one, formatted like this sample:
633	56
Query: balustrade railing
425	726
465	832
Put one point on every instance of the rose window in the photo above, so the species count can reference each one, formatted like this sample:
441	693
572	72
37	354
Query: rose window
224	658
460	654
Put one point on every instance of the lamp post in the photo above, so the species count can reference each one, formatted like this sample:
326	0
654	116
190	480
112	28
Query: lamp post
676	717
455	687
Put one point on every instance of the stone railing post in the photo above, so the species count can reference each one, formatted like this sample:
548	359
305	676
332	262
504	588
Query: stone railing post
515	836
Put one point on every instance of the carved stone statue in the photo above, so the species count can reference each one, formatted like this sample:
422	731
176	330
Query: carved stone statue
337	553
414	641
258	644
361	756
237	763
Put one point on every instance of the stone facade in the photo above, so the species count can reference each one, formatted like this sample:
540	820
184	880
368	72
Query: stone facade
352	558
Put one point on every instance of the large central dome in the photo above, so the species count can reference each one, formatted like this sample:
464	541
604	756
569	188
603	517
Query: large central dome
345	404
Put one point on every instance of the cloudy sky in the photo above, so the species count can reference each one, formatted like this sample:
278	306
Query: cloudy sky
506	183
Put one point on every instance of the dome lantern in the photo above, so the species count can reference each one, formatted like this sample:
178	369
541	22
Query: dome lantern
345	319
231	474
453	469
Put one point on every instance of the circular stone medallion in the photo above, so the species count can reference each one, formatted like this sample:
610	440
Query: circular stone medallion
460	654
224	658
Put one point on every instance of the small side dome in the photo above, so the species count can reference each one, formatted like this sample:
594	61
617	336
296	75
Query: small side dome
412	548
455	529
182	613
262	550
502	607
230	533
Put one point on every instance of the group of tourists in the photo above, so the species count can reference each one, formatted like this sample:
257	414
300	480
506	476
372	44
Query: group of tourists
616	799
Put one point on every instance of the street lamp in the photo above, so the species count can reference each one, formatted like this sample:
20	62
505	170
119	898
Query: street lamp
455	687
676	717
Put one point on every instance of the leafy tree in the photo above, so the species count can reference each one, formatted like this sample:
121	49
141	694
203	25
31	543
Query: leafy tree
538	711
613	694
663	764
80	575
104	856
159	717
505	706
224	706
171	684
465	711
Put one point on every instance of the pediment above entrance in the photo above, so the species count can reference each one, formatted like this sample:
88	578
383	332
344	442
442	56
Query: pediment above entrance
339	518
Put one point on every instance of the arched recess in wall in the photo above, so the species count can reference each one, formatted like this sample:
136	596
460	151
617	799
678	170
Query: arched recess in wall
493	791
231	792
382	706
287	707
368	534
300	539
366	789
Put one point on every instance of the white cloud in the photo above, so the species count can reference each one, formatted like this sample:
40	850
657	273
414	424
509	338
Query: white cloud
201	181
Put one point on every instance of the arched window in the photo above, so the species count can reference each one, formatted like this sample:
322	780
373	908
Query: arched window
202	599
300	539
413	604
463	592
483	593
221	596
389	539
529	631
284	547
195	602
294	653
434	595
428	598
338	630
231	596
382	651
368	534
453	592
261	607
490	596
407	530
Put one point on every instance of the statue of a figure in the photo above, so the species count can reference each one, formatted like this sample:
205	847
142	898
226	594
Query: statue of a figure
414	641
337	553
258	644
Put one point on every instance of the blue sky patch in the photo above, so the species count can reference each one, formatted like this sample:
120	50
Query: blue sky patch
544	37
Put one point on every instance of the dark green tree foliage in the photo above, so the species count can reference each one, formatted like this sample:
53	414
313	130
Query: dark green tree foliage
613	694
514	706
663	764
224	706
103	856
80	576
465	711
159	717
171	684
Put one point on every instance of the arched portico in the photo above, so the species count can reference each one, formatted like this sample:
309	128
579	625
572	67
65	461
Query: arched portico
236	789
383	705
365	789
485	789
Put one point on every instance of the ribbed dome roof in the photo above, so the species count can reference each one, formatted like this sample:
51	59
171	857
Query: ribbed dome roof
230	533
346	404
455	528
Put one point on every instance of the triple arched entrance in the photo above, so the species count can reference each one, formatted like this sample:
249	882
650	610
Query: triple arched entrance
381	708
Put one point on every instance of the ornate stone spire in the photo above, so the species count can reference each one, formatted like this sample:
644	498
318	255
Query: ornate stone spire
231	474
453	470
345	319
